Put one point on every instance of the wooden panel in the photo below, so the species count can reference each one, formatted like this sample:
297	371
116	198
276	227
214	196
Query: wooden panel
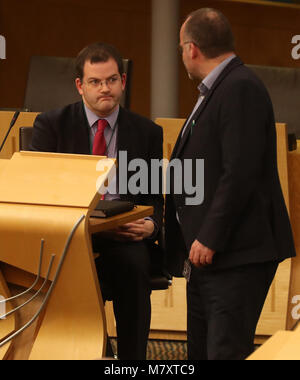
294	183
73	324
284	345
3	163
171	129
260	30
62	28
274	314
169	308
73	303
25	119
6	325
282	161
52	179
270	349
22	345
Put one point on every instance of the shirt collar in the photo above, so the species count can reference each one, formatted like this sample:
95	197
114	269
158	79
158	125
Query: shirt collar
210	79
93	118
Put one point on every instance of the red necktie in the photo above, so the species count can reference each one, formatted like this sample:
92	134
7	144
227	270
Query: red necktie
99	146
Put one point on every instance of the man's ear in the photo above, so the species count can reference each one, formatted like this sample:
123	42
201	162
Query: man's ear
78	85
194	50
124	80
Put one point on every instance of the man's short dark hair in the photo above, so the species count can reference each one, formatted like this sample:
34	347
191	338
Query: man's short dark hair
210	30
95	53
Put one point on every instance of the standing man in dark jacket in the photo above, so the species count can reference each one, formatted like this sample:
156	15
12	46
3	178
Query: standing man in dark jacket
99	125
229	245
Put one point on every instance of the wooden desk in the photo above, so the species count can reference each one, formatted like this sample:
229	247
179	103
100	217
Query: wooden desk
284	345
13	275
38	202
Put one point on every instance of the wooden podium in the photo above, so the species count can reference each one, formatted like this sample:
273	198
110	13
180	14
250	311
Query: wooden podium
45	201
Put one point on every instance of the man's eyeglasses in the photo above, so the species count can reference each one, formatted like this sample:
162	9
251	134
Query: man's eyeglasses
96	83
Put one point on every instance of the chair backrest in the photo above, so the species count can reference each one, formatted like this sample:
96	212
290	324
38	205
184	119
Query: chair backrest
171	128
25	137
50	83
283	85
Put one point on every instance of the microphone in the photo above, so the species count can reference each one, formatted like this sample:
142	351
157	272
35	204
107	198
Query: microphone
12	123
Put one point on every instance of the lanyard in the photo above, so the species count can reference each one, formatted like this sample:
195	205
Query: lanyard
110	140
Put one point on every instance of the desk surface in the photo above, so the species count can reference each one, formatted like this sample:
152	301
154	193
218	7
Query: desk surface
284	345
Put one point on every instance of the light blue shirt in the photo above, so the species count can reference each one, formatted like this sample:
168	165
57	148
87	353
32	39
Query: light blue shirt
208	81
110	135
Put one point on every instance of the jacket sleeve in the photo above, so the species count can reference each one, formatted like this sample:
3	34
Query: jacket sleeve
43	138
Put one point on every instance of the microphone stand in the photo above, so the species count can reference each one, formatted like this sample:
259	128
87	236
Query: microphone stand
12	123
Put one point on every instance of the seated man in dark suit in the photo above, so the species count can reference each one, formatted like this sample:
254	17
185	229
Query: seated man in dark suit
99	125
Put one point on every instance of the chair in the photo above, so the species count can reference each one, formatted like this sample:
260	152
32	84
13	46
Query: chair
160	279
25	137
50	83
283	85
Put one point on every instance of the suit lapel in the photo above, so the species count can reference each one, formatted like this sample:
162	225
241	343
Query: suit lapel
182	141
176	147
123	138
126	141
81	131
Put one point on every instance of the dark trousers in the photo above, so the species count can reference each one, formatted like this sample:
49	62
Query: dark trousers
124	275
224	307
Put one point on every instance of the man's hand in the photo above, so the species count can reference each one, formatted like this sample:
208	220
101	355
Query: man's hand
200	255
134	231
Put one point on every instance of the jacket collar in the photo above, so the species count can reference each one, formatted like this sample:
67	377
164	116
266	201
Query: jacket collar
235	62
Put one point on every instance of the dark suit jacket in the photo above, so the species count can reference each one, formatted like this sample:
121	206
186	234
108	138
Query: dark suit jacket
243	216
66	130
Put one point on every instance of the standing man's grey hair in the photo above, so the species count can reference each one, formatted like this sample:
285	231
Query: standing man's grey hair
210	30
